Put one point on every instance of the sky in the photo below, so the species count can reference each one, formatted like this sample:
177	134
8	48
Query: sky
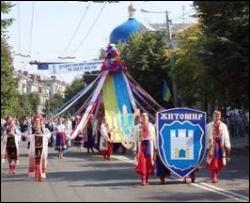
56	30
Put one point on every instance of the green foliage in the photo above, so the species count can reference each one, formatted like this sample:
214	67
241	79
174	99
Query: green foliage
34	100
144	55
8	82
5	8
76	86
186	68
226	51
54	103
25	106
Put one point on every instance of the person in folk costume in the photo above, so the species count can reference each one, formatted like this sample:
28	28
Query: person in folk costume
61	143
38	151
105	147
89	142
218	145
10	150
145	149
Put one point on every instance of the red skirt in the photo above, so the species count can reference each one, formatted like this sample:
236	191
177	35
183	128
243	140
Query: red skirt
107	152
144	166
216	159
215	164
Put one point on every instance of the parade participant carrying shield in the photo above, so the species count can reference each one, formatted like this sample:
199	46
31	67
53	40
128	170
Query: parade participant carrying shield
38	151
105	147
145	148
218	145
10	146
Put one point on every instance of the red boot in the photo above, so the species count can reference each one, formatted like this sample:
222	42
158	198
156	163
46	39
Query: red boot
146	180
143	180
214	176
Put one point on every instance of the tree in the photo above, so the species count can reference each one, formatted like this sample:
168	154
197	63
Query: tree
8	82
187	69
76	86
145	57
34	99
24	106
5	8
226	51
54	103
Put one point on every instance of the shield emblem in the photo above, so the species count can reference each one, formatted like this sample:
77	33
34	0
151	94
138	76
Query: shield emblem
181	139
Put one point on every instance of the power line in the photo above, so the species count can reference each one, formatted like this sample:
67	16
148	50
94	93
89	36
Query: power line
92	26
77	28
31	28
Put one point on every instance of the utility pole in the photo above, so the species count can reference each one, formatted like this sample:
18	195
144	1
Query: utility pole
171	46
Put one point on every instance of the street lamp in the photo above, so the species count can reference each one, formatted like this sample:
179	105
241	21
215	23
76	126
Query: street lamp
170	40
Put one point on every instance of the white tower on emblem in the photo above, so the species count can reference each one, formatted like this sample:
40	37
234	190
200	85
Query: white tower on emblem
182	144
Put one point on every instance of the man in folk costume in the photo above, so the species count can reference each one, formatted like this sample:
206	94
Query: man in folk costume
10	146
38	151
105	147
218	145
145	148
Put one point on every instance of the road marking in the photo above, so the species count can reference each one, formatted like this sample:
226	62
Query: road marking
226	191
204	186
125	159
219	192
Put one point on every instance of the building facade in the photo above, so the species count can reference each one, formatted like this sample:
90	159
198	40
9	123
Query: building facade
44	86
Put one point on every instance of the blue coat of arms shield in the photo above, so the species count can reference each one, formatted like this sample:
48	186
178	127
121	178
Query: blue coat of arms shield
181	139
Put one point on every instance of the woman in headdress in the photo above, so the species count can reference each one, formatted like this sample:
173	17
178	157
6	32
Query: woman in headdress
105	147
38	151
61	143
10	146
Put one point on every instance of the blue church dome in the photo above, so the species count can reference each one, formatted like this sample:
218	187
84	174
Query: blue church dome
125	30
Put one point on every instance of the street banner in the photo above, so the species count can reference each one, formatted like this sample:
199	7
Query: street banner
62	68
181	139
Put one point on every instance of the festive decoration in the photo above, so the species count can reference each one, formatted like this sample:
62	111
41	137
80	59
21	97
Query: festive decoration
119	95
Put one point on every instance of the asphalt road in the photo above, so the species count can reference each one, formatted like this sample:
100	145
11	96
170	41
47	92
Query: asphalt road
80	177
